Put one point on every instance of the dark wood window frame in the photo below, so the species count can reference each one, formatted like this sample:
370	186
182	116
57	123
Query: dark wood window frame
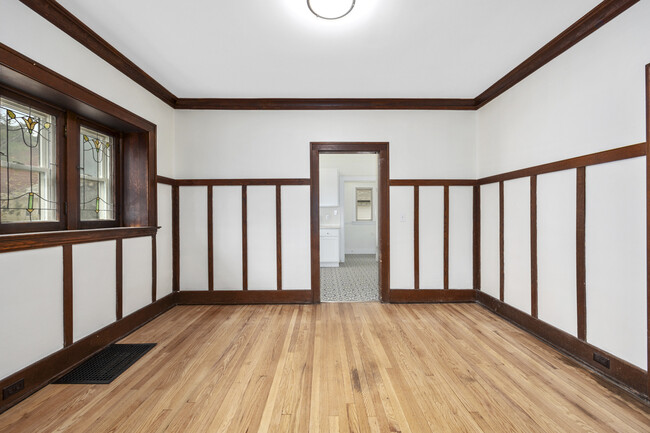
26	81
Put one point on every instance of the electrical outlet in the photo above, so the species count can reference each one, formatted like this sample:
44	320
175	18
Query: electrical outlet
602	360
13	388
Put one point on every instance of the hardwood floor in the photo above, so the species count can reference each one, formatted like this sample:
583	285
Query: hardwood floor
363	367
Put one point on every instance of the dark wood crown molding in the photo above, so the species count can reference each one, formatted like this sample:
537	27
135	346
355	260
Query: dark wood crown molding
67	22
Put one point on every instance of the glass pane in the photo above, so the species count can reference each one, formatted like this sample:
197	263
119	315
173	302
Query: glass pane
96	175
27	164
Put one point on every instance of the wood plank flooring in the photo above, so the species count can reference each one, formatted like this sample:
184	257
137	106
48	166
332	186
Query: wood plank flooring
364	367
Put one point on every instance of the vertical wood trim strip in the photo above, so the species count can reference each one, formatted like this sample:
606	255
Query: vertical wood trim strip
446	238
477	237
278	234
210	241
244	235
119	279
67	295
580	254
384	222
176	240
416	237
154	268
533	246
501	244
647	171
314	216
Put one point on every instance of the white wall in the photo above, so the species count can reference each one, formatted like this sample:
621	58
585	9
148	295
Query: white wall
227	232
360	236
164	252
193	233
432	233
516	243
490	268
296	242
262	265
461	237
401	237
136	274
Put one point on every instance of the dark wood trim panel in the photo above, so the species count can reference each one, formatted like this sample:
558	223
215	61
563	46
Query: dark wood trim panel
154	269
416	237
620	370
647	170
53	239
432	182
237	182
210	240
612	155
119	278
432	295
68	23
324	104
278	235
581	269
593	20
166	180
47	370
533	245
445	254
244	237
176	239
67	295
232	297
314	222
476	237
501	243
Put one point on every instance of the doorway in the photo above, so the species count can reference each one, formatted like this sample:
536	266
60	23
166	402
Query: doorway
368	205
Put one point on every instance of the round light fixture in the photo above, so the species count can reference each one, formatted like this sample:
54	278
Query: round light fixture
330	9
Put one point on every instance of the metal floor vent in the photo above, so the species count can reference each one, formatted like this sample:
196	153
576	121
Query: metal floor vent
106	365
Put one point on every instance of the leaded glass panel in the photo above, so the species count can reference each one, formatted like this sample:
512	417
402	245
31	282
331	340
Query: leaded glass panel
28	165
96	175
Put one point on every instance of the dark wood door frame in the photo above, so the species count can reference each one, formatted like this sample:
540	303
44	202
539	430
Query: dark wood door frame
381	149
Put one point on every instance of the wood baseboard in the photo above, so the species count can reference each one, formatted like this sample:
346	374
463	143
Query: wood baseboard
48	369
620	371
231	297
426	295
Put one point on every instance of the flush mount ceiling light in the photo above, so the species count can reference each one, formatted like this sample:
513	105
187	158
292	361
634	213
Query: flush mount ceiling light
330	9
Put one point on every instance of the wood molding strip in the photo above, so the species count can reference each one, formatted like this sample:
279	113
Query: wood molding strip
325	104
476	236
580	254
416	237
210	240
70	24
278	235
533	245
620	370
647	170
119	279
48	369
29	241
166	180
234	297
238	182
176	240
590	22
314	222
432	182
67	295
445	277
154	269
244	237
431	295
501	243
632	151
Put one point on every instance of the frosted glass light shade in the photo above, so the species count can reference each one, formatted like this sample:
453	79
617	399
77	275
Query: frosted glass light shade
330	9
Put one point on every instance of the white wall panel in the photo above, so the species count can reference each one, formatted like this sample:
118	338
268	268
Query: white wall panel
432	233
490	270
556	250
164	252
31	307
227	232
296	241
516	239
262	266
616	259
93	287
401	237
461	240
193	228
136	271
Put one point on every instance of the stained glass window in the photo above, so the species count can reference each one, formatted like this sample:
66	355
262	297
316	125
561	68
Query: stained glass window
28	164
96	175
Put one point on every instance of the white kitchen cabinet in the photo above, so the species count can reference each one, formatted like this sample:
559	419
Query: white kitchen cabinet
329	187
329	248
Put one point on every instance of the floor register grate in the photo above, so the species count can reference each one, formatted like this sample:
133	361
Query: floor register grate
107	365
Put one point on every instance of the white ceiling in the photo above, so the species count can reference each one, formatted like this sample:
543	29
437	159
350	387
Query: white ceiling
277	48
